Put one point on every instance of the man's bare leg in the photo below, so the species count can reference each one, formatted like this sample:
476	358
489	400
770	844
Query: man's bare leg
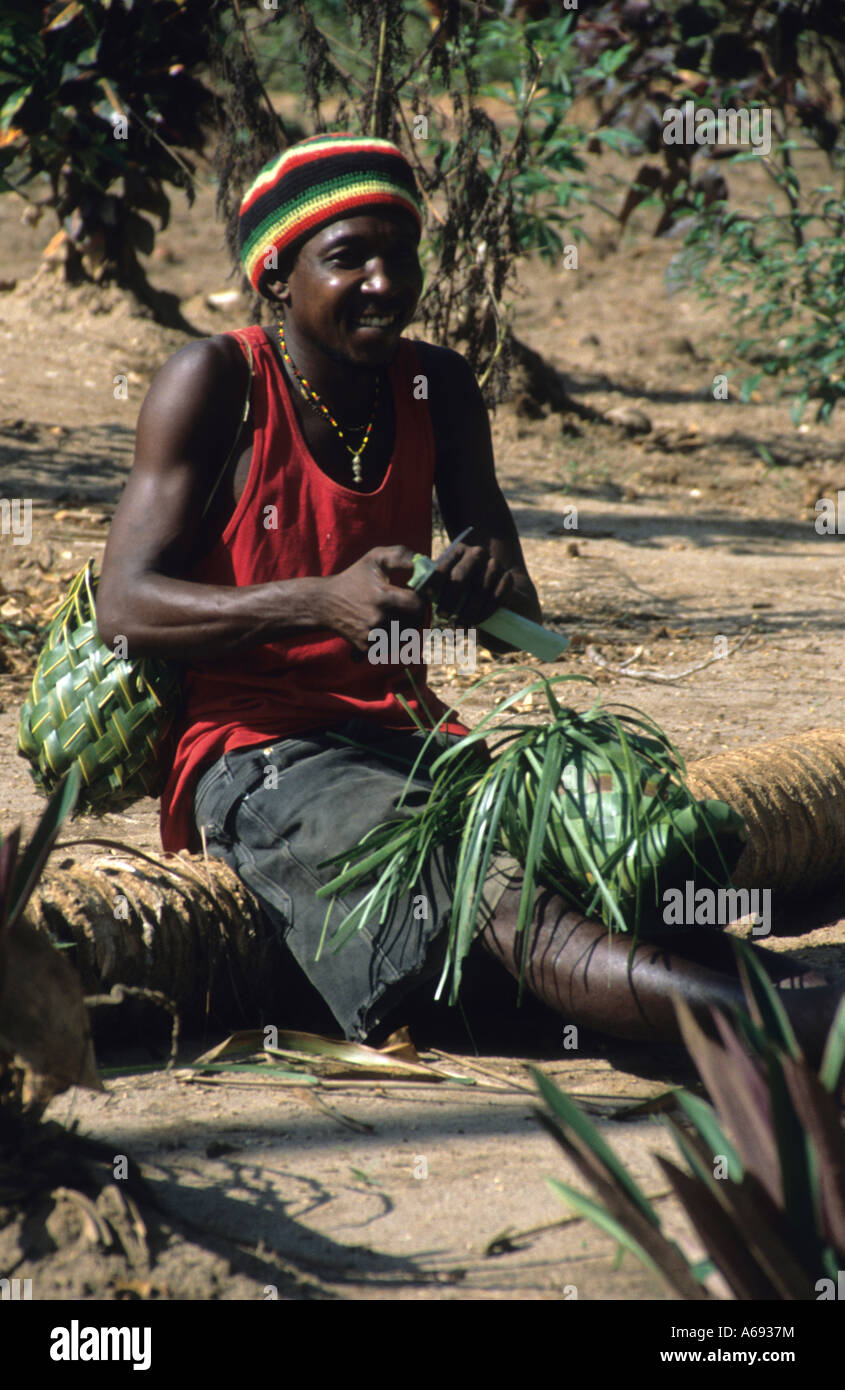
588	974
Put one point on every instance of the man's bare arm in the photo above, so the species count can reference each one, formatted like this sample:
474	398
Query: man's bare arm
185	429
490	570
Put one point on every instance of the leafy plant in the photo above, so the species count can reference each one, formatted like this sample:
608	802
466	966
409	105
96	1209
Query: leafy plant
102	98
780	270
765	1189
783	273
592	804
637	58
506	187
494	189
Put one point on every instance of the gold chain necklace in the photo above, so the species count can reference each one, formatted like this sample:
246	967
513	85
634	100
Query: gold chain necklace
310	395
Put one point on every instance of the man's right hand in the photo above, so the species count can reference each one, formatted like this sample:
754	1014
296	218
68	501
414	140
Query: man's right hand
371	594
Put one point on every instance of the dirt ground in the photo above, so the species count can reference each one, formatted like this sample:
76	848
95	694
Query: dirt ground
684	534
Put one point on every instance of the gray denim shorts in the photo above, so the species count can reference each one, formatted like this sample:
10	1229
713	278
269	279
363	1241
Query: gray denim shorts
276	812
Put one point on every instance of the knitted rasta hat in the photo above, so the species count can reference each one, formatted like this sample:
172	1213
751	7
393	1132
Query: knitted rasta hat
312	183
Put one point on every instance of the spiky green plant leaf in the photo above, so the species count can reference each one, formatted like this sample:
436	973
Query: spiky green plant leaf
574	1119
833	1059
725	1240
583	1205
622	1207
710	1131
765	1007
775	1221
18	879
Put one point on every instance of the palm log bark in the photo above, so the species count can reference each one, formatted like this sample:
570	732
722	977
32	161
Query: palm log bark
187	926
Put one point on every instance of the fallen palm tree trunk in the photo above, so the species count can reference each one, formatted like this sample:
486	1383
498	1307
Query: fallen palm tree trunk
188	927
178	924
791	794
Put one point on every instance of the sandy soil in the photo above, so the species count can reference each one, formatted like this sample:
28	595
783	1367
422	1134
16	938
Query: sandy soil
684	534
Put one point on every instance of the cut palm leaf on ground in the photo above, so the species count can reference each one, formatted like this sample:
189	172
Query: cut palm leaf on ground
326	1058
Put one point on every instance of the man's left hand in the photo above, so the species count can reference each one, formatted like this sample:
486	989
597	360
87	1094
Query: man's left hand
473	587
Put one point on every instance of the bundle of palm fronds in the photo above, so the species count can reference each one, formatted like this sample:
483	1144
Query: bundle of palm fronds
592	804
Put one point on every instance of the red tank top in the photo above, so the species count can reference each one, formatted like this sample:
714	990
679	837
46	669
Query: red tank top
292	521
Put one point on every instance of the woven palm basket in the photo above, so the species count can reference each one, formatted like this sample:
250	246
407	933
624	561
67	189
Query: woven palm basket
91	707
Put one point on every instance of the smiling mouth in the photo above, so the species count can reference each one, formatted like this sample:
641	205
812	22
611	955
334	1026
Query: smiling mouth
376	321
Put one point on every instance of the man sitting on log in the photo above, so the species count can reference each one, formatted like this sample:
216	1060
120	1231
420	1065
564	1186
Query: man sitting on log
263	548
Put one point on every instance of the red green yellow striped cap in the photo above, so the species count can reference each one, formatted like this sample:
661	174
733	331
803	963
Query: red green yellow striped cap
315	182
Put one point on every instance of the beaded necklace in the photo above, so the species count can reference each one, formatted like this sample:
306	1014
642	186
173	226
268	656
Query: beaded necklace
311	398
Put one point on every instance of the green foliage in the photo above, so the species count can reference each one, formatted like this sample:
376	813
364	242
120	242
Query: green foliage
637	58
538	92
68	74
782	270
20	872
765	1188
591	804
495	189
507	187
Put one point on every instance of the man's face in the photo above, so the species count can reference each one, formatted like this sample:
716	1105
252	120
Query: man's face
354	287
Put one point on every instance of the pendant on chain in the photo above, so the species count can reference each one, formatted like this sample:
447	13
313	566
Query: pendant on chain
313	400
